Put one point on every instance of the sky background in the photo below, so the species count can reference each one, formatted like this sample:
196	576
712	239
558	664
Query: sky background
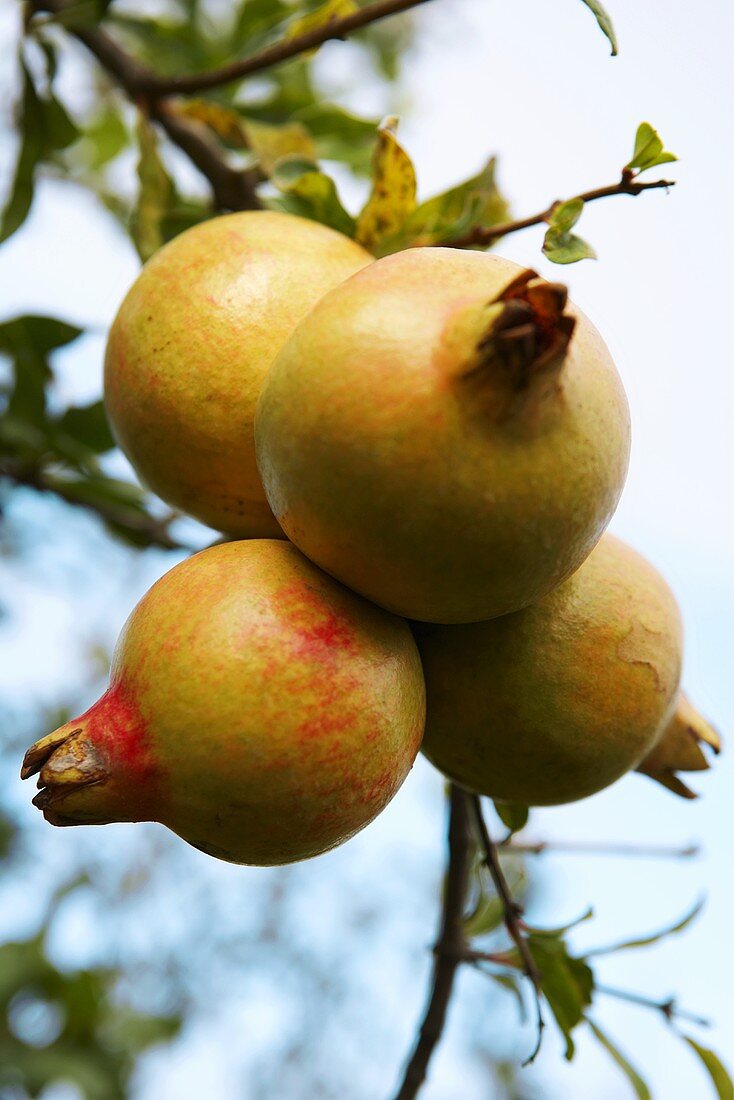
533	82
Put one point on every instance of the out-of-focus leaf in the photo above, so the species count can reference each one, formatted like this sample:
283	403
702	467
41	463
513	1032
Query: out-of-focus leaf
328	12
107	136
567	983
641	1090
513	816
154	193
559	932
310	193
511	985
718	1073
488	913
224	121
605	23
453	213
8	833
58	129
645	941
256	18
94	1042
30	151
271	144
649	150
88	425
340	135
392	199
28	341
560	245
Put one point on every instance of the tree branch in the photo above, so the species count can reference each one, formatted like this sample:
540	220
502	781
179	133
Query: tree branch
283	50
154	530
450	947
603	848
232	188
513	912
669	1008
486	235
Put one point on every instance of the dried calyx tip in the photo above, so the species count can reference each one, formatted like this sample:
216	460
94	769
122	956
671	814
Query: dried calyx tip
531	331
679	749
65	762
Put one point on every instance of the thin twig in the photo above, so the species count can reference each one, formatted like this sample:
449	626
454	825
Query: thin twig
669	1008
486	235
603	848
283	50
513	913
154	530
450	946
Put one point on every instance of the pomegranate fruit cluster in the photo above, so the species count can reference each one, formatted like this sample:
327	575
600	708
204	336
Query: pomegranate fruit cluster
437	437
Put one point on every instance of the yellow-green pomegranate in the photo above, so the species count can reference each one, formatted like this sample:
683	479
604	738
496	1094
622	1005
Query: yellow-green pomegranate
255	707
559	700
191	345
444	436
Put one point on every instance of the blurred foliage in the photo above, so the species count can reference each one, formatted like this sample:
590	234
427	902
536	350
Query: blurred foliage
58	1027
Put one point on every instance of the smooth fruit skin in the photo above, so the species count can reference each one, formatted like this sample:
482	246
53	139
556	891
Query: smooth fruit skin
191	345
559	700
425	485
256	707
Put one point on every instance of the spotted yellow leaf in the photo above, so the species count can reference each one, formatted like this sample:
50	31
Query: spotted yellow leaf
393	196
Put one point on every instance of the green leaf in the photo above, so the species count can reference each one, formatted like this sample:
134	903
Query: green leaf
641	1090
488	913
567	983
30	151
107	136
605	23
28	341
718	1073
513	816
271	144
154	193
58	129
558	933
566	248
511	985
566	214
648	151
339	135
88	425
453	213
560	245
328	12
310	193
645	941
392	199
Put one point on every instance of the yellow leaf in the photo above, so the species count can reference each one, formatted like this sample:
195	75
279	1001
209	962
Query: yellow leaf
392	199
154	193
